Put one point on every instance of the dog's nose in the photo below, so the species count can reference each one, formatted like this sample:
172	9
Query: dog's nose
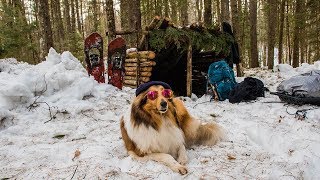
163	104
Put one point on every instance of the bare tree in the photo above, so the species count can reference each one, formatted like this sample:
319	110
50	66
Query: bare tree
207	16
272	12
253	34
46	24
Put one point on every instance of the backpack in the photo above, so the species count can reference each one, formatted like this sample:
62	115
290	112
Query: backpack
221	80
301	89
247	90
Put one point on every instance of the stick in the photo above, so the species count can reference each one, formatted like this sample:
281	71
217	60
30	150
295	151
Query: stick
74	172
189	70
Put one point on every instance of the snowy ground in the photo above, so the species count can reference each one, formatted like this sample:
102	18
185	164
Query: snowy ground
51	111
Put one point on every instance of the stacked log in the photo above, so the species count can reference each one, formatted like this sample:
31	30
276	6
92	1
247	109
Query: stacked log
138	68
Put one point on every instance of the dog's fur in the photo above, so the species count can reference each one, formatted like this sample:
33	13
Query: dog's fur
152	131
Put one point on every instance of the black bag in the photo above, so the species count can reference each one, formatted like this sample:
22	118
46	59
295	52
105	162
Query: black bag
248	90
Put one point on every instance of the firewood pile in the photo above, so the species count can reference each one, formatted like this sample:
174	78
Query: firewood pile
138	68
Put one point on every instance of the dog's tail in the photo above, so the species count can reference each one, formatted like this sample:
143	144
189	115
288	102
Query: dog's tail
209	134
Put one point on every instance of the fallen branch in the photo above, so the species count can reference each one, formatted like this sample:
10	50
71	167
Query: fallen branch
74	172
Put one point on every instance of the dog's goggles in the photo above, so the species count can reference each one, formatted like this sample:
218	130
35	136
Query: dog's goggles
167	93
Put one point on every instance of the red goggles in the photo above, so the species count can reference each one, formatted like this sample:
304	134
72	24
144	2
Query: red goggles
167	93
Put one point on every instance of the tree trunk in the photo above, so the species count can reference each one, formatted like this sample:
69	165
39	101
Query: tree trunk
95	15
174	12
207	15
225	11
272	12
302	33
66	15
110	20
184	12
166	8
219	15
78	16
46	24
288	35
58	26
253	35
135	21
283	4
199	10
296	31
73	17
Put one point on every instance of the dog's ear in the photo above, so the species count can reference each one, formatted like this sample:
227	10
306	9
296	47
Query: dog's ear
143	101
140	115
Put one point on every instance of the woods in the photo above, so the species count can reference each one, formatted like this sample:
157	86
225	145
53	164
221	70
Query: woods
268	32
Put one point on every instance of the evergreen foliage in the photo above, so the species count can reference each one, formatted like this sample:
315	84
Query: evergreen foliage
205	40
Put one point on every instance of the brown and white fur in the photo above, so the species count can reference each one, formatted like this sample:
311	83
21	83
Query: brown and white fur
161	129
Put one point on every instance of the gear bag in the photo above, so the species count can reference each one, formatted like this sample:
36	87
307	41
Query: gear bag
221	80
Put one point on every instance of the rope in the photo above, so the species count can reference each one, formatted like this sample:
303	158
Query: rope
300	114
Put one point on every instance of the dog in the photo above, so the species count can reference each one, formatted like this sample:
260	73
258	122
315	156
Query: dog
158	127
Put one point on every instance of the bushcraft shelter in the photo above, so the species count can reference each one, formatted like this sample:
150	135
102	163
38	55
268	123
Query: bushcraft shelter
182	54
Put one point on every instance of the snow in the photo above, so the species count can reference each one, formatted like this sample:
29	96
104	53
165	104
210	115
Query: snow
50	110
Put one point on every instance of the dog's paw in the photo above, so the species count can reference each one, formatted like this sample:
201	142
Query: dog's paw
180	169
183	159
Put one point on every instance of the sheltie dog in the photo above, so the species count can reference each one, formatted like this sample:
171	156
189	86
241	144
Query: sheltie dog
159	127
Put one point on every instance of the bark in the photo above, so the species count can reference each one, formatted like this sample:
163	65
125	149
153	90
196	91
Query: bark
184	12
174	12
296	31
79	27
166	8
282	7
288	35
271	31
253	35
66	15
73	17
302	33
199	9
95	12
225	11
207	15
46	24
110	20
219	15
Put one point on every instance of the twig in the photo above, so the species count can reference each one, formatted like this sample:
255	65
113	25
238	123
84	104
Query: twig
200	103
89	116
74	172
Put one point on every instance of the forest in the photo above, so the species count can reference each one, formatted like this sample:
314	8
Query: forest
267	31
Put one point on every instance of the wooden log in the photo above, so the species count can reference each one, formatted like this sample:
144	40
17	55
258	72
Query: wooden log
134	73
148	69
131	82
189	70
128	85
134	60
142	55
142	64
142	78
